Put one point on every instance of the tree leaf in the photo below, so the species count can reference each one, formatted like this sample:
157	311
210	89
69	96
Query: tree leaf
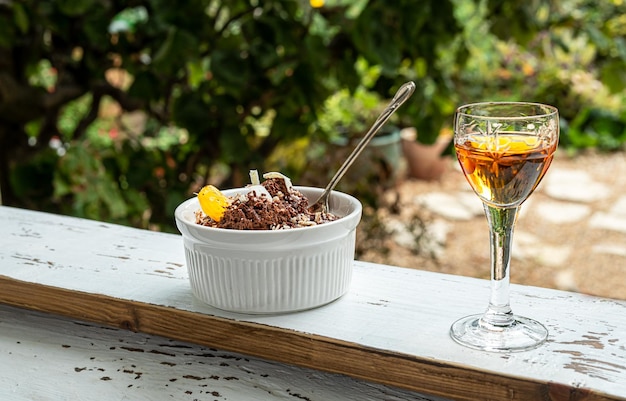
229	67
145	86
20	17
613	74
178	48
75	7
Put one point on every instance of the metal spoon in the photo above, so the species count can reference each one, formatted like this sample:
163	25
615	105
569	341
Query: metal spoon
405	91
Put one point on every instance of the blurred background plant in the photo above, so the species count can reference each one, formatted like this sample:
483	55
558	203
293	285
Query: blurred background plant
119	110
570	53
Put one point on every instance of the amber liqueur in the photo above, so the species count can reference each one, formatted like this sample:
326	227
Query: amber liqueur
504	169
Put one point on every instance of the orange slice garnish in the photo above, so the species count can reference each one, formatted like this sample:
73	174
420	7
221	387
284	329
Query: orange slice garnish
505	143
212	202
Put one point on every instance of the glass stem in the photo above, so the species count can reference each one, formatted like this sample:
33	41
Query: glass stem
501	225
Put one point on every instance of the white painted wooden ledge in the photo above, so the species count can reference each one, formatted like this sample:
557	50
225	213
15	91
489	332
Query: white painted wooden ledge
390	329
45	357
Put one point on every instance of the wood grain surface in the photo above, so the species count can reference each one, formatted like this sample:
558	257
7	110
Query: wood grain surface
391	328
46	357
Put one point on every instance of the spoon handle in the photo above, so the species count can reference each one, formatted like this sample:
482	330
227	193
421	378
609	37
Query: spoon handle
400	97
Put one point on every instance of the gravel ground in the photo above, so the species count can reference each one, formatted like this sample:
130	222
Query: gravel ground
575	256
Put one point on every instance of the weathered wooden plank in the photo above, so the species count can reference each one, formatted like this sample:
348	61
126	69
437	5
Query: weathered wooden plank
45	357
392	327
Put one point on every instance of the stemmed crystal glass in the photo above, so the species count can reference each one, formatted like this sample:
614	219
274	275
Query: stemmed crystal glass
504	149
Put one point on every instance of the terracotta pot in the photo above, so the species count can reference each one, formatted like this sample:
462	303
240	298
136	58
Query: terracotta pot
424	162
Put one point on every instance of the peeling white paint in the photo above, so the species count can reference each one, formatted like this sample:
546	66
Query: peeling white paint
46	357
399	310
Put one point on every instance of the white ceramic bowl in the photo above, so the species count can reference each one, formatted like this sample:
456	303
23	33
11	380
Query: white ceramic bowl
271	271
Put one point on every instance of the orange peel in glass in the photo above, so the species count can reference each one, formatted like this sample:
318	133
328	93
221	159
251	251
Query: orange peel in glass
212	202
505	143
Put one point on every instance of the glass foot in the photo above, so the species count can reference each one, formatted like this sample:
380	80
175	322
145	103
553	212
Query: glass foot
523	334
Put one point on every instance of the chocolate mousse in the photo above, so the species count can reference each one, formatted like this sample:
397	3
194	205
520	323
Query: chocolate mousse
284	208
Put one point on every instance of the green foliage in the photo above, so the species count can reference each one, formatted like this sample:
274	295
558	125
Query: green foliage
348	115
595	128
241	79
567	53
148	100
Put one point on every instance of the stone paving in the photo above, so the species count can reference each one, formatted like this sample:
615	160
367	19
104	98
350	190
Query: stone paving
570	234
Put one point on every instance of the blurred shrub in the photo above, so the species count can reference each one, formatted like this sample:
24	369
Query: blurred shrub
118	110
569	53
215	88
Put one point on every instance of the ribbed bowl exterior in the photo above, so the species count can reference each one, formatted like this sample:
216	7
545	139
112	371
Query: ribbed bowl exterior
264	272
269	283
